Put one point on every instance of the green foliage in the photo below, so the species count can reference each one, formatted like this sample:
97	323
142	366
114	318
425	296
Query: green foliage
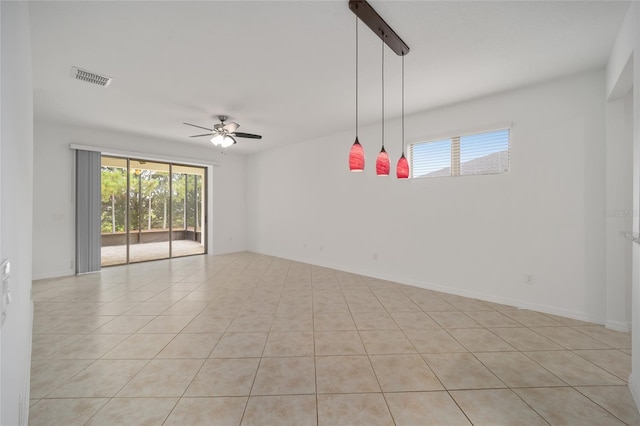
149	200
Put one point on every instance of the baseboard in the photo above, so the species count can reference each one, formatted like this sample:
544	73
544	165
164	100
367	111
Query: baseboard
635	391
617	326
50	275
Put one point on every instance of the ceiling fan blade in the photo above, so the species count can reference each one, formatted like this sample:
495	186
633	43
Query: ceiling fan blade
199	127
231	127
197	136
247	135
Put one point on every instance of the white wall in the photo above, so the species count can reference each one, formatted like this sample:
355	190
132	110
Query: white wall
16	156
619	210
473	235
54	186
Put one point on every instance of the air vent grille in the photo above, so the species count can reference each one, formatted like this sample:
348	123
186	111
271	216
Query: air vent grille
90	77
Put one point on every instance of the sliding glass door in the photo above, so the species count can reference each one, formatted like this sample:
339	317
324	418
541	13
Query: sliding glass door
151	210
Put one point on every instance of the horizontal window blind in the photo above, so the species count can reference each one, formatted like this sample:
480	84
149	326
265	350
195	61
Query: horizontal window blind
484	153
480	153
431	159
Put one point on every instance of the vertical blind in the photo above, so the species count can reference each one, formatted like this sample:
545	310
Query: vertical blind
88	209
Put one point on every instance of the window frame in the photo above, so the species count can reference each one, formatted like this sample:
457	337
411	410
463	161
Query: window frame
455	154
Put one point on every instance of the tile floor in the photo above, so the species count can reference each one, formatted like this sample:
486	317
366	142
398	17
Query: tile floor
256	340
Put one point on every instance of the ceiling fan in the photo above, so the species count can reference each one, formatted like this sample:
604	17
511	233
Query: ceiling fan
224	134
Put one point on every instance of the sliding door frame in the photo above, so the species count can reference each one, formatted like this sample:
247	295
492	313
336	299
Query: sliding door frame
204	203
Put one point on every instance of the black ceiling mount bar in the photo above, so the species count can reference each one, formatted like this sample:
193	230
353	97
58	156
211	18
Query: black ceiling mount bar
369	16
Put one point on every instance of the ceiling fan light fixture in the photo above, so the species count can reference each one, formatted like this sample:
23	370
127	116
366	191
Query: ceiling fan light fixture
227	141
217	140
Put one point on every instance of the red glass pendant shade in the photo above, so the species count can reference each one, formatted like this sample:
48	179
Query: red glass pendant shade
382	163
356	157
402	170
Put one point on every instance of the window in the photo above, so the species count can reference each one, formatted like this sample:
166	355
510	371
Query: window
475	154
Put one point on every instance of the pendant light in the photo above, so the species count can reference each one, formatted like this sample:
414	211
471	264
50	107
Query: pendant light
402	169
382	162
356	154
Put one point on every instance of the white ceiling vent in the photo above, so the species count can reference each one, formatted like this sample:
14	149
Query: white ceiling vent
90	77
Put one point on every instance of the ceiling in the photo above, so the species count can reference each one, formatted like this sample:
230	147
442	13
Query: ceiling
286	69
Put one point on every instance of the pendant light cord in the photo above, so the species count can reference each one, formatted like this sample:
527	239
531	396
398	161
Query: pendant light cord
402	103
356	76
383	92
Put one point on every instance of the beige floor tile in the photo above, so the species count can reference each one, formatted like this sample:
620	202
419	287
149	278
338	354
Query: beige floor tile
434	341
433	304
570	338
454	320
133	411
208	323
251	323
333	322
404	373
201	296
187	345
166	324
345	374
524	339
461	371
80	325
531	318
292	410
89	346
140	346
611	360
492	319
574	370
338	343
615	339
403	304
353	410
386	342
162	378
285	376
223	411
116	308
283	344
186	307
617	400
44	345
103	378
517	370
47	375
414	321
496	407
425	408
466	304
151	308
374	321
329	305
169	295
363	301
299	305
240	345
480	340
125	324
570	322
224	377
292	322
566	406
67	412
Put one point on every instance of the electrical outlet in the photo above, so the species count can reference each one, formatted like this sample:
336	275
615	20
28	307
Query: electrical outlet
528	279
